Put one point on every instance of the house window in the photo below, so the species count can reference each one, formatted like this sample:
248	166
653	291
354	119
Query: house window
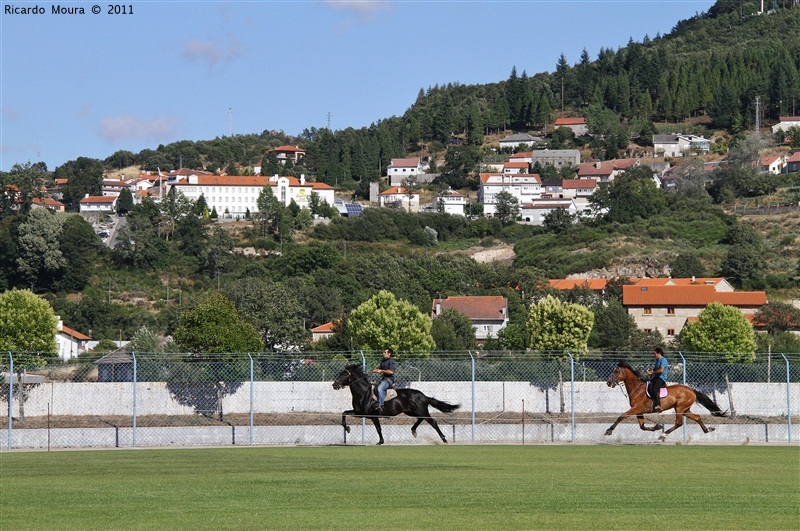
648	329
670	332
647	311
670	311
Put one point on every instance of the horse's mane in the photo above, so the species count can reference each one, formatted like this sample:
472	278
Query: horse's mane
625	365
355	368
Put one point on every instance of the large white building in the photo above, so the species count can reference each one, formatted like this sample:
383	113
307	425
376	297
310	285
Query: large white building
234	195
526	187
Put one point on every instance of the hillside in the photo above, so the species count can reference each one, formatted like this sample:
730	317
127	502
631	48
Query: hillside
701	78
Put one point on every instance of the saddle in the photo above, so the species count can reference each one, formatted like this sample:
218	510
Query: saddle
390	393
663	392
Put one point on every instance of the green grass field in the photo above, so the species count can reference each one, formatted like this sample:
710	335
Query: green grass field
405	487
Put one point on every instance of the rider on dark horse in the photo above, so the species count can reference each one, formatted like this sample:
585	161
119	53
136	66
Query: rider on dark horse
386	370
659	374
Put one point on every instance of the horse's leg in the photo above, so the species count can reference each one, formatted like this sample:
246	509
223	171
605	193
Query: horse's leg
432	422
415	426
377	423
695	417
655	427
630	412
344	417
678	423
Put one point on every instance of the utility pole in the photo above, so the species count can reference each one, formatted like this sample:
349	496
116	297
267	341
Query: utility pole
329	121
230	121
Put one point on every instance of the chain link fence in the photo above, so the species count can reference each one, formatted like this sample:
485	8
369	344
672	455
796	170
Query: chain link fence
160	400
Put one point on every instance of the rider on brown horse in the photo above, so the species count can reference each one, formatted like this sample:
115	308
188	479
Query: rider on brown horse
659	377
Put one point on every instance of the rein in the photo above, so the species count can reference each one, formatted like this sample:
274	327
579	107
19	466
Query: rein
356	380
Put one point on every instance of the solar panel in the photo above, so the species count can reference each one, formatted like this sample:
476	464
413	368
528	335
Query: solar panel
353	209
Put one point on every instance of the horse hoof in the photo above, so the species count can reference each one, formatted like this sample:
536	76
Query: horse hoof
710	430
608	432
662	438
414	434
347	429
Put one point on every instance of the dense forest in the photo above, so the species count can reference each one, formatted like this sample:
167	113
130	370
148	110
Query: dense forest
713	66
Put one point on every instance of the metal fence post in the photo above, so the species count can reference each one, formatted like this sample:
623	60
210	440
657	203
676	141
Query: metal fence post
251	398
788	399
10	395
133	355
472	378
683	428
363	420
572	394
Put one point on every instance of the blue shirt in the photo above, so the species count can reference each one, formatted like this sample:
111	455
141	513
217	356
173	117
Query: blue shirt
388	364
662	362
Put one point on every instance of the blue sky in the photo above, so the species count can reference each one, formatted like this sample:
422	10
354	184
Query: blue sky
89	85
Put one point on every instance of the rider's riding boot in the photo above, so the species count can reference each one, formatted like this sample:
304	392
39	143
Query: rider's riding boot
657	406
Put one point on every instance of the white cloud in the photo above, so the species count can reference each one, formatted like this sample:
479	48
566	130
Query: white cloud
211	52
127	127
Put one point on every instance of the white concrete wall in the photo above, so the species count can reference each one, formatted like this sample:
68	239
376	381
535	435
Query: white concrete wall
153	398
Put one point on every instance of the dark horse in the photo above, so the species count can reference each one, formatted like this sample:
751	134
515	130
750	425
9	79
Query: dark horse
679	397
409	401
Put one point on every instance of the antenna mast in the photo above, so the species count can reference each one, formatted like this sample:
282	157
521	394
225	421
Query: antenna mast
758	115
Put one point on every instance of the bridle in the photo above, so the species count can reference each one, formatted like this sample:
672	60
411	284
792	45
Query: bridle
350	378
614	381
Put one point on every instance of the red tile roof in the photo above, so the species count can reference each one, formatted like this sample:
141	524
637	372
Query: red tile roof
692	295
74	333
327	327
47	202
99	199
591	168
286	149
575	184
405	163
394	190
570	121
480	307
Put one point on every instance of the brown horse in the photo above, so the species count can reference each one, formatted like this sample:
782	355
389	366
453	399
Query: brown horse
679	397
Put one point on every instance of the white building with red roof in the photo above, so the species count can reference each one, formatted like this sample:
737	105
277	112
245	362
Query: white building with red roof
516	167
322	331
48	203
667	308
450	203
773	164
578	125
526	187
99	204
535	212
399	197
236	195
403	169
489	314
287	153
70	342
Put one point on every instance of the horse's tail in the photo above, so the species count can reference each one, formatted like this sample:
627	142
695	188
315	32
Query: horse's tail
709	404
444	407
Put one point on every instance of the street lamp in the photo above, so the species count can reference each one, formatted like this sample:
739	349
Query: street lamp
419	372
